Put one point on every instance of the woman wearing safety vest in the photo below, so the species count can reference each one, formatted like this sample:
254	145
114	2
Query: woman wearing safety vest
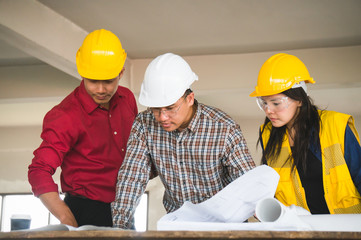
316	152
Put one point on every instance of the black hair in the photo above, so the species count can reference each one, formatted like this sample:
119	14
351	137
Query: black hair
306	125
187	92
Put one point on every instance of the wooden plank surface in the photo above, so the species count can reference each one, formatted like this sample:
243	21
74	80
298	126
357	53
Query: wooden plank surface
184	235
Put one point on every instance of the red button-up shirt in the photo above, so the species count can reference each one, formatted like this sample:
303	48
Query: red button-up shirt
88	143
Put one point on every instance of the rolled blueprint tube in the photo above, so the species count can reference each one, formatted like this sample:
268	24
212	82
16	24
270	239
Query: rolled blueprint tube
271	210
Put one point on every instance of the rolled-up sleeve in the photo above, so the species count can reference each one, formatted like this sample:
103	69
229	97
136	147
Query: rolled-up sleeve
50	154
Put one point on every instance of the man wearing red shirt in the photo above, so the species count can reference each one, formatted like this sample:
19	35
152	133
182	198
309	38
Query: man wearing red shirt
86	135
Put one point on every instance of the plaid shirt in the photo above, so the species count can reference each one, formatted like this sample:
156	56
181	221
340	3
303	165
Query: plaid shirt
193	165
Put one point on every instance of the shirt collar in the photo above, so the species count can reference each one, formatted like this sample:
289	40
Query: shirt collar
193	125
87	101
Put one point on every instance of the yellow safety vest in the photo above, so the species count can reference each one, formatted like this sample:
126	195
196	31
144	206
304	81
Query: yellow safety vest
341	195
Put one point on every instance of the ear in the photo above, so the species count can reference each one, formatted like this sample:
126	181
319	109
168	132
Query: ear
299	103
190	99
121	73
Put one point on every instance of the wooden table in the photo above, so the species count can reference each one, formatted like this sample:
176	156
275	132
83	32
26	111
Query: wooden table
184	235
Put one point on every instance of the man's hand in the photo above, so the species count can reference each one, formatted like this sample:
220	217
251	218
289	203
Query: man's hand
58	208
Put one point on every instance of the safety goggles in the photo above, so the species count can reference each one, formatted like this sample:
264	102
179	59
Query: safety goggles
166	112
273	105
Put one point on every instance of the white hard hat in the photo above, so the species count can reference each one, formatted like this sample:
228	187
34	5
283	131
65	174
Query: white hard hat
166	79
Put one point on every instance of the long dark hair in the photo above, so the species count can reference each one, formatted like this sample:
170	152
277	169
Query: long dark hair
306	125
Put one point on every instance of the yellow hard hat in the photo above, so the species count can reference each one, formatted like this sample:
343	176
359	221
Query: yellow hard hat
101	56
280	73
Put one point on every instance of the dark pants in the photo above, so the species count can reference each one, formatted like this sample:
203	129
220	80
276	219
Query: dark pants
89	212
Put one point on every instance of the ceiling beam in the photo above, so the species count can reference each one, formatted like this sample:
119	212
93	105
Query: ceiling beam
40	32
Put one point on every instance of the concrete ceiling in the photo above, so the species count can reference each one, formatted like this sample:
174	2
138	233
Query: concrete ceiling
148	28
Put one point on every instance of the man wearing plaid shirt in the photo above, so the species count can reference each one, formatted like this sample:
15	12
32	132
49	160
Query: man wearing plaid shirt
195	149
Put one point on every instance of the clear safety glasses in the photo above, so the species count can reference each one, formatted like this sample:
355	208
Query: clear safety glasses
273	105
171	112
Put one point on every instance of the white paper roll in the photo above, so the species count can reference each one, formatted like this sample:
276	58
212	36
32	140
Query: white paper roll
271	210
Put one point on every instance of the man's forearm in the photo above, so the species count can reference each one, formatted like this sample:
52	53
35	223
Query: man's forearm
58	208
